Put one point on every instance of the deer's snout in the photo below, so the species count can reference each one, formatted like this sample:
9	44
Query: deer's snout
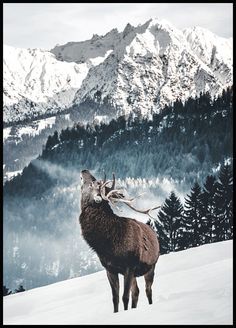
98	199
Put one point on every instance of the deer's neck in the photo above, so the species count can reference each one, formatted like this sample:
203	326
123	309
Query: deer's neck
100	227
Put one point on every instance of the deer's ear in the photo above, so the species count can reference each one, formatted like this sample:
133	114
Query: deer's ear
81	180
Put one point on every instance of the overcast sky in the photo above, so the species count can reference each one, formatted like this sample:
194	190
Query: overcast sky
43	25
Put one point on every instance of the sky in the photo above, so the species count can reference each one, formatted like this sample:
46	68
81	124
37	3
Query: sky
43	25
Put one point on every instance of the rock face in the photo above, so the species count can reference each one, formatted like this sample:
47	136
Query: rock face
138	70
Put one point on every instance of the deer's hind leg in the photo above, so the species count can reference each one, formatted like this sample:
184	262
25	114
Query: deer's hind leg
114	283
149	277
134	292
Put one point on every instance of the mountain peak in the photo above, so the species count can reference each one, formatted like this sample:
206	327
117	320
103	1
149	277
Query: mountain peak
151	65
161	23
128	29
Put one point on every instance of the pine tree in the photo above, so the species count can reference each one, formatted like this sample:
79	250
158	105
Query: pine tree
6	291
193	214
52	141
170	216
224	200
209	207
162	235
20	289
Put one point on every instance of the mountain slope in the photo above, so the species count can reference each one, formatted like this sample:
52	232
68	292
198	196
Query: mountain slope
140	69
190	287
214	51
36	83
152	66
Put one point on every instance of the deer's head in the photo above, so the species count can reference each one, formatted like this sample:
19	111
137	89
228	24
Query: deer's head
90	189
97	191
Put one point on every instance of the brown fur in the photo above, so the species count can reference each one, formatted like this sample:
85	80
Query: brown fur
124	246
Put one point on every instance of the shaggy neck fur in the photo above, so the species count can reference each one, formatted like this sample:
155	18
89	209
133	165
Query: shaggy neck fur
101	227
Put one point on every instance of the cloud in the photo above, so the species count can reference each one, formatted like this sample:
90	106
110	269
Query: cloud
44	25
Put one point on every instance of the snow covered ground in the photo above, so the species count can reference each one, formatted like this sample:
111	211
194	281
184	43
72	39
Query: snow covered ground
190	287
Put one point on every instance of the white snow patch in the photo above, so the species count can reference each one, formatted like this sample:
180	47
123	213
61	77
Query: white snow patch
6	133
228	161
190	287
100	119
12	174
37	127
98	60
67	117
32	129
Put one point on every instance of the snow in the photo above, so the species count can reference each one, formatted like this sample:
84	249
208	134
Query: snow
34	80
190	287
67	117
100	119
6	133
98	60
38	126
32	129
227	161
151	65
216	52
37	75
12	174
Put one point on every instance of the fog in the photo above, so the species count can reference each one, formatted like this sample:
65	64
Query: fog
42	237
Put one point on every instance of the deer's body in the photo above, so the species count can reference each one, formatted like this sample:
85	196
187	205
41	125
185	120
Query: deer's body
124	246
119	242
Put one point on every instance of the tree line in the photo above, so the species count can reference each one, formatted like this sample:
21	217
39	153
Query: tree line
183	141
7	291
205	217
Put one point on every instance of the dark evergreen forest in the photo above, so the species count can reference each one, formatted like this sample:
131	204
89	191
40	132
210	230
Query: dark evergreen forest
205	217
182	142
189	143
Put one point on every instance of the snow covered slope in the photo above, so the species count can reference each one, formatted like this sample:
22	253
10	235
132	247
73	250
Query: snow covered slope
153	65
140	69
36	83
23	142
214	51
191	287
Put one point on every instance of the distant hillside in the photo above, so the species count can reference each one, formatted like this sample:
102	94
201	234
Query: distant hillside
184	142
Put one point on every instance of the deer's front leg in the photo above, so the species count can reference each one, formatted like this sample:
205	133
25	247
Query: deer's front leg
114	282
128	277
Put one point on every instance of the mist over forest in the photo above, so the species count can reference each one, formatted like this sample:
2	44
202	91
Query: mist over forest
183	144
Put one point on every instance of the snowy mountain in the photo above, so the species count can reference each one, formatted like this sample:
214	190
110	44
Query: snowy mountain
153	65
190	287
36	83
214	51
23	142
140	69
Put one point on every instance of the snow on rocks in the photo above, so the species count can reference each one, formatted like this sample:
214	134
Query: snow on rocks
140	69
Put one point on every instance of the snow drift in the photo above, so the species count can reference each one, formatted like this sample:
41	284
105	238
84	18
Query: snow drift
190	287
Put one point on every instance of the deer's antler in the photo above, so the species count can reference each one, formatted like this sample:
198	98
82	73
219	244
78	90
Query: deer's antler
117	195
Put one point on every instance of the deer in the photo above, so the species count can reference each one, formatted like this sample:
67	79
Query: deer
124	245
